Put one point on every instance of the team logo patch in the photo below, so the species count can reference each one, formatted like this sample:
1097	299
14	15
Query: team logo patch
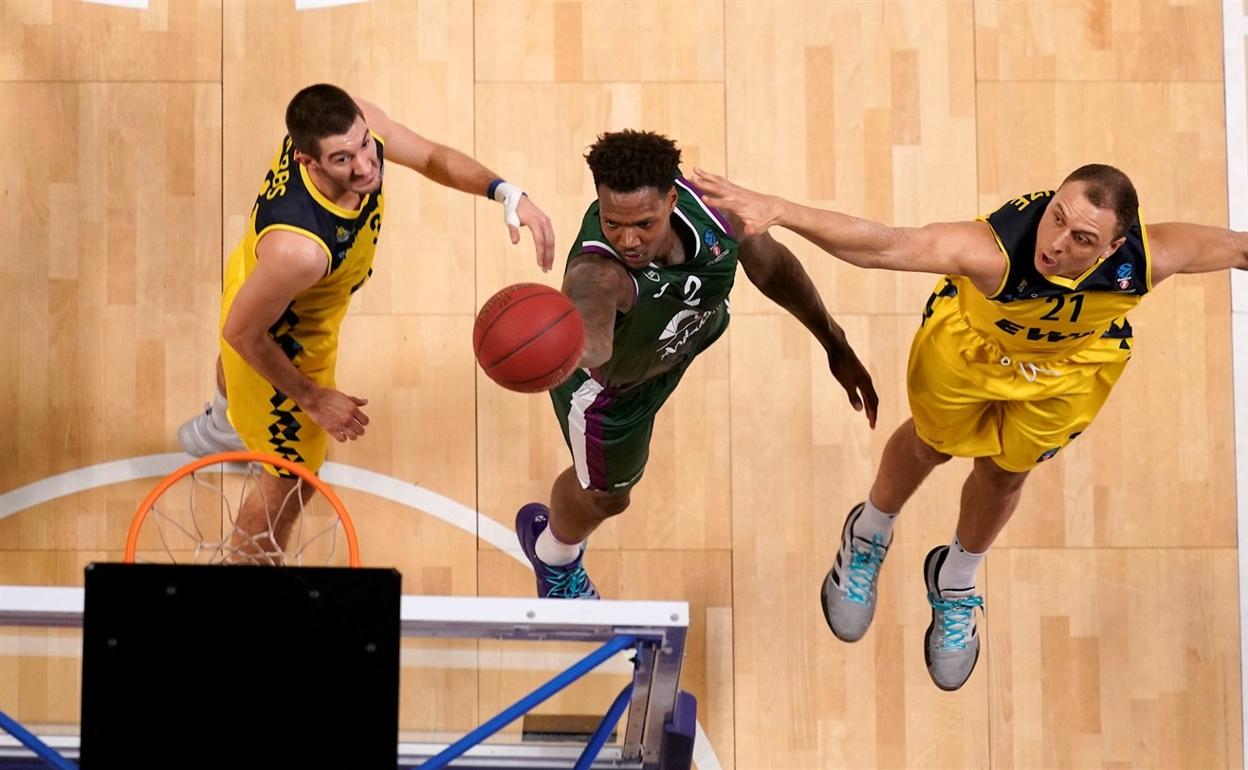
1048	453
342	234
652	275
712	243
1125	273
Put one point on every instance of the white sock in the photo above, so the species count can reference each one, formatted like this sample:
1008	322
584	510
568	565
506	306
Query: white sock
554	552
219	419
958	571
873	521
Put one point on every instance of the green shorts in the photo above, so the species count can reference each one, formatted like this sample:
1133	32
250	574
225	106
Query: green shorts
609	430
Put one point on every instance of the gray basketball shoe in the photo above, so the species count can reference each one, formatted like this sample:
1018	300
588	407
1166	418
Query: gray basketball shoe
199	437
849	589
951	644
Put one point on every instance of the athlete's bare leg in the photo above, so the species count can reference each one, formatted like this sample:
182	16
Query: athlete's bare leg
272	507
989	497
576	512
907	461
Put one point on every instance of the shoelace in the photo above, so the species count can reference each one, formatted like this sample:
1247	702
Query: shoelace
864	566
1029	370
956	619
566	583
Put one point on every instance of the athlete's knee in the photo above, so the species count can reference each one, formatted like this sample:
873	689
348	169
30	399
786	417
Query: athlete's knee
276	487
607	504
923	451
1002	478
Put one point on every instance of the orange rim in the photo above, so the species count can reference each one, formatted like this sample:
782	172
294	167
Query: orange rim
145	507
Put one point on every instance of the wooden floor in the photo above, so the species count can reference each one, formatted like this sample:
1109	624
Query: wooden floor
133	142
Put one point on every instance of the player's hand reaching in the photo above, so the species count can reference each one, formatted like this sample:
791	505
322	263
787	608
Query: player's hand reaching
757	211
853	376
339	414
520	211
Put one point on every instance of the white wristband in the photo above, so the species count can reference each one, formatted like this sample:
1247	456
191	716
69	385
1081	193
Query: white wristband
509	195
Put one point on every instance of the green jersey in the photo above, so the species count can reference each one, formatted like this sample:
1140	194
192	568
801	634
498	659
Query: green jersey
679	309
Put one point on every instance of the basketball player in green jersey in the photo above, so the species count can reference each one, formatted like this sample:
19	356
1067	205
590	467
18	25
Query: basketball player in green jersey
307	249
650	273
1019	347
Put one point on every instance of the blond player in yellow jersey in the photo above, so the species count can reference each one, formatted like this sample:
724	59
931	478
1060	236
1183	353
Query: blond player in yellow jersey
308	247
1020	344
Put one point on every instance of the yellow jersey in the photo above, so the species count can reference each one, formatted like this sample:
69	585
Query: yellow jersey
307	331
1034	317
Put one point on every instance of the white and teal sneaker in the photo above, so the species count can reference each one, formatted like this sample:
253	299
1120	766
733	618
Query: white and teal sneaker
849	588
951	644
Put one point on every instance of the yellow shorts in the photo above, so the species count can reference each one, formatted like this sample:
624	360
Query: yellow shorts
969	400
267	420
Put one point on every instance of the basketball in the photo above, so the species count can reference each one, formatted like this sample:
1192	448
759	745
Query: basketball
528	337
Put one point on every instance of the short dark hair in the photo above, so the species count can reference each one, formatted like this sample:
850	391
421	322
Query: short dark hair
1108	188
319	111
630	160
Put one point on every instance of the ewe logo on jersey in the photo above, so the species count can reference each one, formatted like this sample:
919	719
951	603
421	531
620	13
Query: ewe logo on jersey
682	328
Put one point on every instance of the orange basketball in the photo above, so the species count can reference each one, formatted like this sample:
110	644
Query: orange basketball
528	337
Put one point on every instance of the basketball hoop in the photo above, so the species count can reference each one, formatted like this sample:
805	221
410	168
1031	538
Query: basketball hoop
191	529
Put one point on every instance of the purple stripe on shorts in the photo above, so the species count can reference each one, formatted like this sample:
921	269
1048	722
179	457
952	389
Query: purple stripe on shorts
595	448
597	250
720	218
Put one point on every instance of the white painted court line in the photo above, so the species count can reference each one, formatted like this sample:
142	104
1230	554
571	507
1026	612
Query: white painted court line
138	5
300	5
90	477
312	5
1234	29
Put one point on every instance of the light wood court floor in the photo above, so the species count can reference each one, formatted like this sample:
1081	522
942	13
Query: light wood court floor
132	143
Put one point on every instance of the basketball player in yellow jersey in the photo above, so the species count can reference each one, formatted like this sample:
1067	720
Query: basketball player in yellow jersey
1020	345
308	247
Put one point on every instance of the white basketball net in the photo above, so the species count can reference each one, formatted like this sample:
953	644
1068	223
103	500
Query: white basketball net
197	521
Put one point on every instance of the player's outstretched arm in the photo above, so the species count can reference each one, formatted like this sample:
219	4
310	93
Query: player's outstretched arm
780	276
599	288
1179	247
287	264
954	248
451	168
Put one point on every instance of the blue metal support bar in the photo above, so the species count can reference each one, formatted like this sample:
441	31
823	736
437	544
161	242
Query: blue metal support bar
600	735
514	711
28	739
